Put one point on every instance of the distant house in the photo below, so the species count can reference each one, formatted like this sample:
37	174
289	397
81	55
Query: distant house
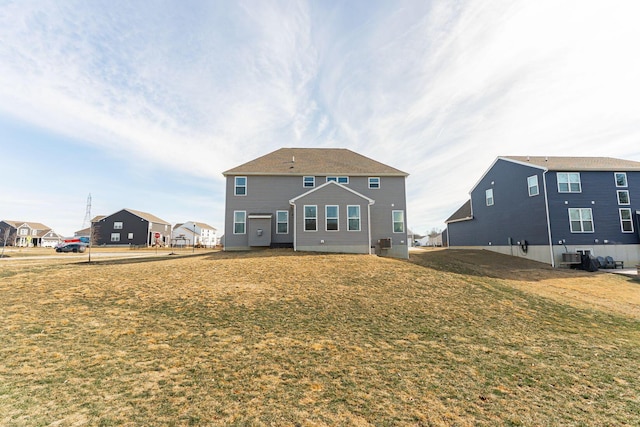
131	227
194	233
317	199
28	234
541	207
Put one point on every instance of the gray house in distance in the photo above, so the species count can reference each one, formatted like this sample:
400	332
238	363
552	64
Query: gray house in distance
542	207
316	199
129	227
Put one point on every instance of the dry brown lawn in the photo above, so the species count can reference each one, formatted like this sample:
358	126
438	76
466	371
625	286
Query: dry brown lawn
278	338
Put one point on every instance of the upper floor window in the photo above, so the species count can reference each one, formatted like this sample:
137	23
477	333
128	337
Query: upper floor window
282	222
374	182
621	179
581	220
309	181
117	225
240	186
626	223
24	231
310	218
623	197
569	182
398	221
338	179
331	217
353	217
532	183
489	197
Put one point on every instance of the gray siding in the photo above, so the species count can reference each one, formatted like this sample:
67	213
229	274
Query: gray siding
268	194
514	216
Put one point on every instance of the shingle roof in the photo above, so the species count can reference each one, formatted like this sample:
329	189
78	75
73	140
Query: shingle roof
578	163
314	161
32	225
463	213
148	217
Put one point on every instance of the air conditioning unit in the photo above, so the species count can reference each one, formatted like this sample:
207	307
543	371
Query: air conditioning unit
384	243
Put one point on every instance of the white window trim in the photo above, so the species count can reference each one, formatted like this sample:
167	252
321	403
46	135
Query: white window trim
569	182
115	237
236	186
326	218
304	181
379	182
529	186
393	221
238	222
628	197
130	236
626	183
359	217
337	179
304	216
280	222
593	225
488	197
630	220
117	225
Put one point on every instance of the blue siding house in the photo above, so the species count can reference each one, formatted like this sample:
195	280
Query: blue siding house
542	207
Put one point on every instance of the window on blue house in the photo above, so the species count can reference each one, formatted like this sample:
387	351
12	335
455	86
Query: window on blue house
581	220
532	183
489	197
625	220
569	182
623	197
621	179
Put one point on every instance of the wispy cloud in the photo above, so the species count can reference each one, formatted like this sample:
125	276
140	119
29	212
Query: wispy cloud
438	89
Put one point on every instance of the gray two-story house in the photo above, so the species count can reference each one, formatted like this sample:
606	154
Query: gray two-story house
316	199
542	207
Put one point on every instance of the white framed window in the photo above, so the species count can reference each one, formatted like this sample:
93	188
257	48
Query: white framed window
623	197
353	217
308	181
338	179
310	218
130	236
239	222
240	186
282	222
374	182
581	220
331	218
569	182
488	195
34	232
117	225
115	237
621	179
24	231
532	183
626	221
398	221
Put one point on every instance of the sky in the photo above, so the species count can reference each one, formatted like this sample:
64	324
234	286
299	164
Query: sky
143	104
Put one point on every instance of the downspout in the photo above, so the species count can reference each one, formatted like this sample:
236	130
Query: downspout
546	205
295	227
369	223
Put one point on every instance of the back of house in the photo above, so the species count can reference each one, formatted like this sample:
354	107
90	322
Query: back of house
316	199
